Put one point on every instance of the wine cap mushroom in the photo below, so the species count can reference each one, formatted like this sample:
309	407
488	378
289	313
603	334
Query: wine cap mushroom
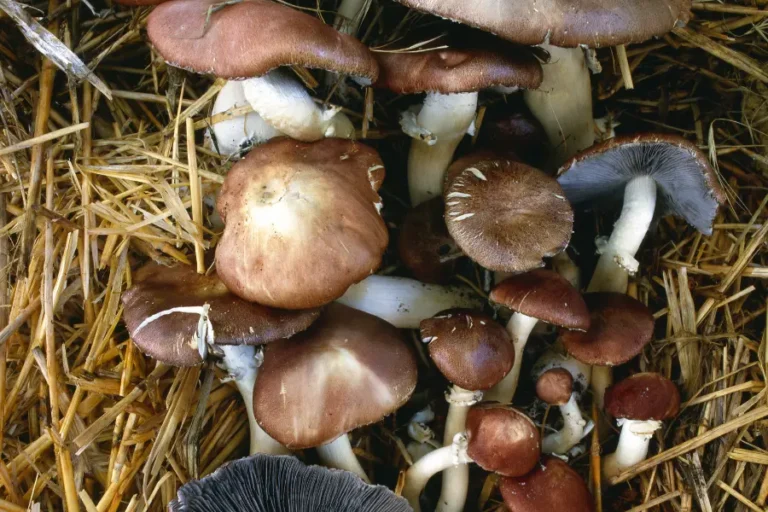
170	338
506	215
620	328
553	487
502	439
349	370
555	386
545	295
643	396
424	242
468	347
269	483
302	222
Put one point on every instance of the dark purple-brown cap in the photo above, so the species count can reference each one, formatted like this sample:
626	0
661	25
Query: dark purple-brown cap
552	487
643	396
544	295
502	439
250	38
620	327
424	241
350	369
555	386
170	338
567	23
687	185
468	347
302	222
510	129
506	215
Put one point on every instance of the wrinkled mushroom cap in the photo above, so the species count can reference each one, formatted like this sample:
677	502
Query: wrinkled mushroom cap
250	38
424	240
687	185
552	487
279	483
643	396
506	215
502	439
620	327
555	386
544	295
468	347
350	369
302	222
170	338
566	23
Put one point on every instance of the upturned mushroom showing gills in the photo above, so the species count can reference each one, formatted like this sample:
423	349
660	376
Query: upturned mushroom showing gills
349	370
269	483
552	487
656	175
639	404
302	222
165	307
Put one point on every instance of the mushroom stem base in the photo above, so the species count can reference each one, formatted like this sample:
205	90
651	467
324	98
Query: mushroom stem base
338	454
633	446
519	328
571	433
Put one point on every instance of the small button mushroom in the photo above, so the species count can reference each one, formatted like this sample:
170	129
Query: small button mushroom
552	487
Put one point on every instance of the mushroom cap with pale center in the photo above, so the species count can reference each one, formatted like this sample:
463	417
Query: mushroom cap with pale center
555	386
349	370
552	487
643	396
424	240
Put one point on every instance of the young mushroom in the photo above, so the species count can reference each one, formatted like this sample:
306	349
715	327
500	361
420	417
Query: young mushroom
552	487
425	246
555	387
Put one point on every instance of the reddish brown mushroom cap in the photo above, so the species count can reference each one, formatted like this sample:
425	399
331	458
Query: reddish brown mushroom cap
621	327
350	369
250	38
424	241
506	215
137	3
643	396
502	439
468	347
555	386
544	295
169	338
552	487
302	222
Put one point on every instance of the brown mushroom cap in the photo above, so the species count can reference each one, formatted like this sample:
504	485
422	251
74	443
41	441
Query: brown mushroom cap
137	3
555	386
643	396
566	23
424	241
251	38
506	215
350	369
510	129
621	326
544	295
302	222
169	338
502	439
468	347
552	487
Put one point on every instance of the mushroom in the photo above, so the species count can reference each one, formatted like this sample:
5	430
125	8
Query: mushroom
451	78
474	353
639	404
157	313
498	438
425	246
252	38
349	370
509	129
552	487
657	175
269	483
302	222
555	386
538	295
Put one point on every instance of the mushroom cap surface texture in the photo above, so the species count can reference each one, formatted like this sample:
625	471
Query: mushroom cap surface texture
552	487
620	328
643	396
424	240
302	222
281	483
555	386
506	215
687	185
468	347
502	439
350	369
566	23
169	338
545	295
250	38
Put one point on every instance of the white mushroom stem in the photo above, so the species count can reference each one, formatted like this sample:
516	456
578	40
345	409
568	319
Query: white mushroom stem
438	128
350	15
339	454
406	302
633	446
519	328
602	378
565	266
284	103
571	433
